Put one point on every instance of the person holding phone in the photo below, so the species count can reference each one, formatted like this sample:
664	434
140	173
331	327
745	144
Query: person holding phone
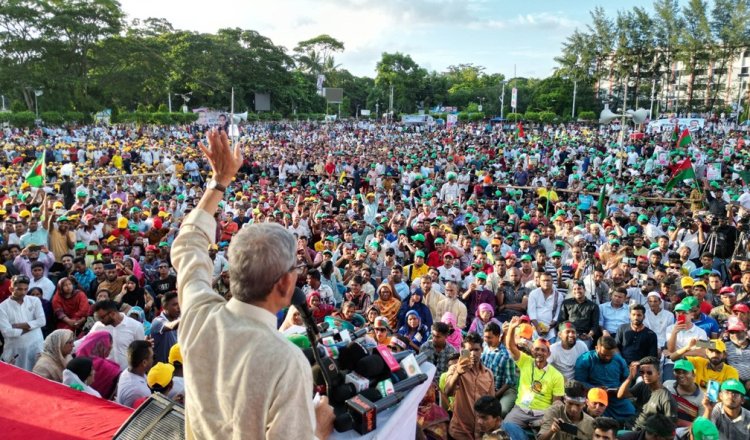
467	381
732	420
568	421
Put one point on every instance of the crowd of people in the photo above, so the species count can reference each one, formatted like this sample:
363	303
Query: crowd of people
560	287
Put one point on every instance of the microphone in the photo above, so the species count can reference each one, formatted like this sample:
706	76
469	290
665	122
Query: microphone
350	355
373	367
328	367
362	412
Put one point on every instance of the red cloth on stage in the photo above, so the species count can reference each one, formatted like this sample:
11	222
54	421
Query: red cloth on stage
34	407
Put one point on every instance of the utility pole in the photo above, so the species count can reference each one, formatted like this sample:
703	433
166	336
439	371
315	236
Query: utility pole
502	100
575	90
169	100
390	104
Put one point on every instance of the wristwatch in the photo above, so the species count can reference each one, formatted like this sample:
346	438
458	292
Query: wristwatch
213	184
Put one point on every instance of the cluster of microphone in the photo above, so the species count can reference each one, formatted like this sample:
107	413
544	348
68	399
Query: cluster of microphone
360	378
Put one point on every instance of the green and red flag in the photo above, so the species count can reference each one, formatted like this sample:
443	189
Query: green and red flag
676	133
519	131
680	171
684	139
38	172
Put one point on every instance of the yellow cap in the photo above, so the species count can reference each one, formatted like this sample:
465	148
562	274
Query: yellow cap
24	213
175	354
160	374
122	223
686	282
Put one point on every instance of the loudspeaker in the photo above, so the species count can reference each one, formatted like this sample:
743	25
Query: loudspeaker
158	418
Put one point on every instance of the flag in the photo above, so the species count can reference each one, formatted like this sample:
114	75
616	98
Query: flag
38	172
600	205
676	133
681	171
519	131
744	175
684	139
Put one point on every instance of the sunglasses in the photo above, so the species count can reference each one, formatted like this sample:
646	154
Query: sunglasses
380	329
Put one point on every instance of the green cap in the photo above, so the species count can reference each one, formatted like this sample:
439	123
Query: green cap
684	364
704	429
79	245
331	238
402	232
482	276
439	241
691	302
525	257
733	385
614	241
642	218
560	243
419	254
418	237
81	194
555	255
632	230
682	307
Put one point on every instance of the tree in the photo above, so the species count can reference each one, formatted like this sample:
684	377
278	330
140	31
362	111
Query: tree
399	71
315	56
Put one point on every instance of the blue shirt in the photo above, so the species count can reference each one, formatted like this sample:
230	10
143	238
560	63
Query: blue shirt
592	372
708	324
611	319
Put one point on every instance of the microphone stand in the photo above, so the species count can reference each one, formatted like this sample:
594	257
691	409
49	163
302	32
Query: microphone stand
313	334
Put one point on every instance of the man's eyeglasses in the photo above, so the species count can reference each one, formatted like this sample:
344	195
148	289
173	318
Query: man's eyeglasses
380	329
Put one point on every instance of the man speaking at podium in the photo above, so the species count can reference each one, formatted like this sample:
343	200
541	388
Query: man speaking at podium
244	379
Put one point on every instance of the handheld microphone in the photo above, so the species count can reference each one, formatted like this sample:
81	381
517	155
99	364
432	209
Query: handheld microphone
373	367
362	413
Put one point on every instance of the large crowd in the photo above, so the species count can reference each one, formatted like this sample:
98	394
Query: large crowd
556	281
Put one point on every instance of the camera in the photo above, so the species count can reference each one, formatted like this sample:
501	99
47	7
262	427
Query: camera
685	224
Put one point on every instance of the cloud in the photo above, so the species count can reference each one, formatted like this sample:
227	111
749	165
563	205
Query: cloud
536	21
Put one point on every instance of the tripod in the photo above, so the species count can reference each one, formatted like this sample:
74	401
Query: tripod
741	249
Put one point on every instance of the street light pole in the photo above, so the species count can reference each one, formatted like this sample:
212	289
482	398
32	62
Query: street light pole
575	90
169	100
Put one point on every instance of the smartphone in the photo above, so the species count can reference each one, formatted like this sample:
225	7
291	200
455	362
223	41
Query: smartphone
712	391
568	428
705	344
681	319
464	353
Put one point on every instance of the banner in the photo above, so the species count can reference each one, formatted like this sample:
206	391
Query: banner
319	84
514	98
713	171
662	159
727	151
451	120
210	117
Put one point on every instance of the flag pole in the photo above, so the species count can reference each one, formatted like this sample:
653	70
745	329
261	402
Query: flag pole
231	123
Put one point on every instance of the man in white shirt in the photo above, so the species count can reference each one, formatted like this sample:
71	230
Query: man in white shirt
565	352
123	329
132	385
658	319
544	306
21	322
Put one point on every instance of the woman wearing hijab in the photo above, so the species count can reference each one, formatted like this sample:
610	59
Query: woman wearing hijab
388	304
79	374
381	331
55	355
293	322
456	337
484	315
139	315
97	346
70	306
134	295
414	330
318	308
415	303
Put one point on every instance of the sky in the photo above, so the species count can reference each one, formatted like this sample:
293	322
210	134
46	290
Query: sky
515	38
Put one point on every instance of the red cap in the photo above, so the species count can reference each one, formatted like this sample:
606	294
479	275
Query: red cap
151	247
449	252
642	258
735	325
727	291
741	308
510	254
107	251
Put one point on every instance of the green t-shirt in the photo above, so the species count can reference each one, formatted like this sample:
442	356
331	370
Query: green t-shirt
551	383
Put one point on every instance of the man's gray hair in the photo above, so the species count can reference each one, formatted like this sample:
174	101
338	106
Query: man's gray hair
258	256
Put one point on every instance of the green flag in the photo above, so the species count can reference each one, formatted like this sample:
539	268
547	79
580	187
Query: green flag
38	172
684	139
681	171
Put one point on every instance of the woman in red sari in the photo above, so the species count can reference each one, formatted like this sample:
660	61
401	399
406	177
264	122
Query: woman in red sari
70	306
